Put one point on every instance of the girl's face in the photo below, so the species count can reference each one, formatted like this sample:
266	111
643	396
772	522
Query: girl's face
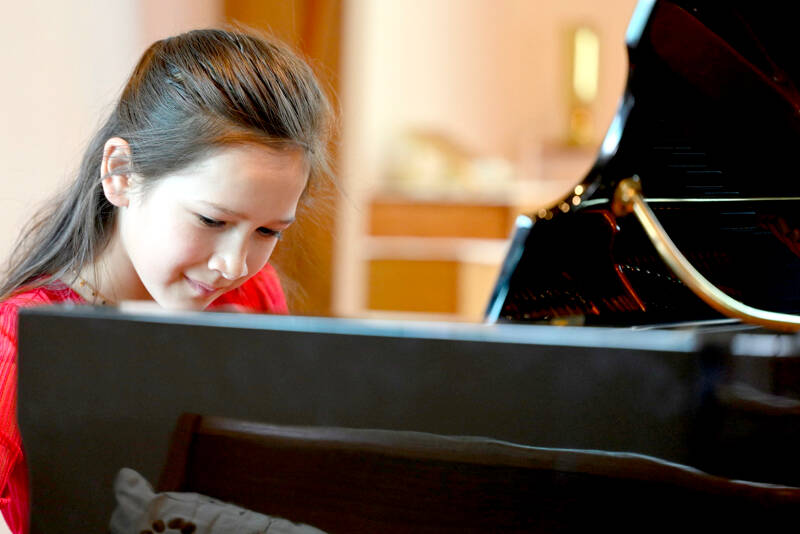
198	233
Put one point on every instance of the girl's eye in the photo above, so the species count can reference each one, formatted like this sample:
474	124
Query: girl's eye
211	223
267	232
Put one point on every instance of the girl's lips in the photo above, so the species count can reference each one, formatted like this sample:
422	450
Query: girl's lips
200	287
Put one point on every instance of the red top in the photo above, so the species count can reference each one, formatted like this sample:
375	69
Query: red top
262	293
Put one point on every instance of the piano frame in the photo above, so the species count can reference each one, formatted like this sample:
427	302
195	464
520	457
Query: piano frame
101	389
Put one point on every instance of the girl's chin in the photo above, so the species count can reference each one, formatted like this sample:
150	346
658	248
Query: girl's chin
187	305
190	303
152	306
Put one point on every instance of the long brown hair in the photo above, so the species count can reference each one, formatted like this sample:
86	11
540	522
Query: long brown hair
188	95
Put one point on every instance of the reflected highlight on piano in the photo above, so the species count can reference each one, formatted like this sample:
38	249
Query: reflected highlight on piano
628	199
710	121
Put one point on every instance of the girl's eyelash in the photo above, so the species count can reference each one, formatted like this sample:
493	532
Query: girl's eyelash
208	221
268	232
214	223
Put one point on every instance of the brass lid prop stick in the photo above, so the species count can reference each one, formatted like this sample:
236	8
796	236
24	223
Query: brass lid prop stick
628	198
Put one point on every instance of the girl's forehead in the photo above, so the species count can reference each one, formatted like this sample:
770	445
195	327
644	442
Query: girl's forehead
246	179
249	161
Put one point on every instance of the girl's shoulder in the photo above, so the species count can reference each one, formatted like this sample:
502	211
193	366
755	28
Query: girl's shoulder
52	293
47	294
261	294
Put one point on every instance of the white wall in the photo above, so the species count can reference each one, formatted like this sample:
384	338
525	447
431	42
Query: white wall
490	74
63	63
487	72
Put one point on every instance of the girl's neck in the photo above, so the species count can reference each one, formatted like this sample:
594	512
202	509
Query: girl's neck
88	290
110	278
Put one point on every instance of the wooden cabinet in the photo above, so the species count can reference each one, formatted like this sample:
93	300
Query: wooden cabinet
437	256
433	257
470	220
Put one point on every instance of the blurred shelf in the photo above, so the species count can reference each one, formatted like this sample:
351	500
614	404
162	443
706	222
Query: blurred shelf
436	253
434	257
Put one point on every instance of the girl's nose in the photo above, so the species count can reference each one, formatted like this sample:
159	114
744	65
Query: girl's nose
230	261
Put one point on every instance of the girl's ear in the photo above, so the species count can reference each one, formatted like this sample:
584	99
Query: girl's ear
115	171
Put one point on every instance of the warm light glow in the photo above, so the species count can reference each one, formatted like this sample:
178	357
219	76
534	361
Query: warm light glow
578	189
585	66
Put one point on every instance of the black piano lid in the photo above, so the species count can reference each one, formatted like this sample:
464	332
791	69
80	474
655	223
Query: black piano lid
111	396
710	122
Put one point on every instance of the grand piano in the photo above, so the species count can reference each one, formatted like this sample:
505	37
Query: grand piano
688	219
706	138
649	311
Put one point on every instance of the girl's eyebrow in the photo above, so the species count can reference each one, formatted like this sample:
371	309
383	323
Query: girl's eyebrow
233	213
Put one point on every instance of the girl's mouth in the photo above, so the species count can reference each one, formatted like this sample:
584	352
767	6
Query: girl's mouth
201	288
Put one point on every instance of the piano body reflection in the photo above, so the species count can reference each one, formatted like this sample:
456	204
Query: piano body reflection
709	127
707	137
709	124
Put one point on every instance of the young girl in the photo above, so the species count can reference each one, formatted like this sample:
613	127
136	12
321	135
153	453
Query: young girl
180	199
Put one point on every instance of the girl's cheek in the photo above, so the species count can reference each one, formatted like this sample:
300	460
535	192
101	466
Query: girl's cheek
257	261
186	243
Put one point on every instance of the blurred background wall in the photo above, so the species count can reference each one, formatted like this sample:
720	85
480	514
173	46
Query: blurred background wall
455	116
63	65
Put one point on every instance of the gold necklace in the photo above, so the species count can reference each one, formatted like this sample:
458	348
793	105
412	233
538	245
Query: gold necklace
94	292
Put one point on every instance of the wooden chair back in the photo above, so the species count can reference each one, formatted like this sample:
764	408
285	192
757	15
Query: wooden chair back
349	480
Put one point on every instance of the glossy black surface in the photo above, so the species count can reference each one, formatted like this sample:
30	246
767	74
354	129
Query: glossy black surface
604	269
718	400
709	122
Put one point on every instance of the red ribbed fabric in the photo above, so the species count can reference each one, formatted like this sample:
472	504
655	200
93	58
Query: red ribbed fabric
262	293
15	496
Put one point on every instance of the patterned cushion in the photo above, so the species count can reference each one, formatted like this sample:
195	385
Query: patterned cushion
141	511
